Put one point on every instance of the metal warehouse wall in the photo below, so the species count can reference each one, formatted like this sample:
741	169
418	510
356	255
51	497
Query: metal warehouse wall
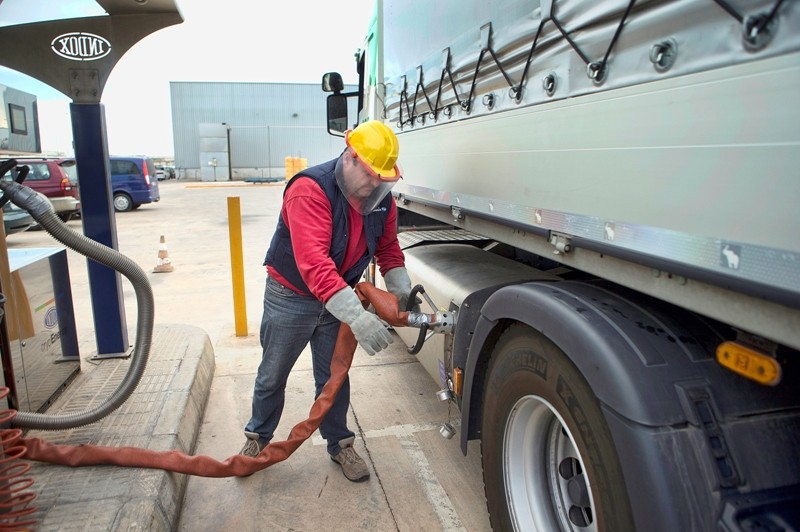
19	121
268	122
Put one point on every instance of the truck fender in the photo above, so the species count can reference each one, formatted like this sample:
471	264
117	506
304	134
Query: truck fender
628	347
691	432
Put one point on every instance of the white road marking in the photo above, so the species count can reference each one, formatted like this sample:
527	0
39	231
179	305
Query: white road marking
436	495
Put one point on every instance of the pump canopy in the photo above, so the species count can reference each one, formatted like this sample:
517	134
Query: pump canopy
76	56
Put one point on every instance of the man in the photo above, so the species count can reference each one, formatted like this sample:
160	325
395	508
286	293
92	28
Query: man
335	218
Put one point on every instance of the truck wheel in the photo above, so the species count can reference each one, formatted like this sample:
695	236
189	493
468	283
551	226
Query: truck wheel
549	462
122	202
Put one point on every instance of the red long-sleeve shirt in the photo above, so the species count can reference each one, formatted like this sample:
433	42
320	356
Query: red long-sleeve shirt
309	216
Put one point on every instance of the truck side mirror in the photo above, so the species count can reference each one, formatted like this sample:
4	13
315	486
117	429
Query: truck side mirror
337	114
332	82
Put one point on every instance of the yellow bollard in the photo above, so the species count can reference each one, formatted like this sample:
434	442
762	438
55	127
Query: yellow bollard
237	265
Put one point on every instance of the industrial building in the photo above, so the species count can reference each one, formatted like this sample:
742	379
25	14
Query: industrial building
19	122
235	131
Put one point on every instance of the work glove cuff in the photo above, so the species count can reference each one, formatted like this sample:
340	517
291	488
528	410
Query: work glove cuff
399	283
345	306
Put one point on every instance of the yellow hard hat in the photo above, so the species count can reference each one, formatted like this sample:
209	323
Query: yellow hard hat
377	147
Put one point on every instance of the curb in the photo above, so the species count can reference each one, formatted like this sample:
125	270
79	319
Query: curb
164	413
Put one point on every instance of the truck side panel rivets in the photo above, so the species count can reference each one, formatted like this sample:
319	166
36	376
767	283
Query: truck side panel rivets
549	84
758	31
597	72
663	55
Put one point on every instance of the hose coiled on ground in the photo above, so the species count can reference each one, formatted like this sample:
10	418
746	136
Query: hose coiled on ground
15	496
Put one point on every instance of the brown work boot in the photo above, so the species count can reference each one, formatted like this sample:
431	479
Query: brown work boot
252	446
353	466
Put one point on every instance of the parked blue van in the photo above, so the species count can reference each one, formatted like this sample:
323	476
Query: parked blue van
133	182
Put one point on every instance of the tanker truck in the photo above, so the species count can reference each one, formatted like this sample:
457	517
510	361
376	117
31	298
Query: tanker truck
600	202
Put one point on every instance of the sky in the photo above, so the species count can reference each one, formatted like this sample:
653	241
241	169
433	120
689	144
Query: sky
287	41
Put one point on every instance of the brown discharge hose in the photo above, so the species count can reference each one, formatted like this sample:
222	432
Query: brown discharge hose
386	308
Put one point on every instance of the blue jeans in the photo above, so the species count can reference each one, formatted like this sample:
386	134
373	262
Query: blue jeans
290	322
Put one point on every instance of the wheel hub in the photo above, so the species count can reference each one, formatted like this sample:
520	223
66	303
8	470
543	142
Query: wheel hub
540	458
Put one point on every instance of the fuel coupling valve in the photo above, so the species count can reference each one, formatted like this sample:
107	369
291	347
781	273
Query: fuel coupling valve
428	324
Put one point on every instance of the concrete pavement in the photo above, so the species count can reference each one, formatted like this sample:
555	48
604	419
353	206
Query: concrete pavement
419	480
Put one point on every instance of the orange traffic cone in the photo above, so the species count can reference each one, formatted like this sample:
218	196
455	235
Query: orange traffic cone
164	264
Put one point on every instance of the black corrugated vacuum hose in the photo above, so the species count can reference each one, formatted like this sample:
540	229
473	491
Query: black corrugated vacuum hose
42	212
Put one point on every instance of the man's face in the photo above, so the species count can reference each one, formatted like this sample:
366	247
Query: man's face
362	186
360	182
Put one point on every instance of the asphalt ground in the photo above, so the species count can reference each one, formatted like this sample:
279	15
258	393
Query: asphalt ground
419	480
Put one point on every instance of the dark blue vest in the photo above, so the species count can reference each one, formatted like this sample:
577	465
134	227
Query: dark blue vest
280	255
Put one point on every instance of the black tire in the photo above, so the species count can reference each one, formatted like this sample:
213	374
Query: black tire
544	441
65	217
122	202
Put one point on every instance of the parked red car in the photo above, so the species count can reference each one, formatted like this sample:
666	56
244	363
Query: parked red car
56	178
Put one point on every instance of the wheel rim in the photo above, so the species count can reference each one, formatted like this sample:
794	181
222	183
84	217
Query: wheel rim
121	203
546	484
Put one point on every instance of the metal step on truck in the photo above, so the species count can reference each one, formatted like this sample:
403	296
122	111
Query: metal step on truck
602	196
